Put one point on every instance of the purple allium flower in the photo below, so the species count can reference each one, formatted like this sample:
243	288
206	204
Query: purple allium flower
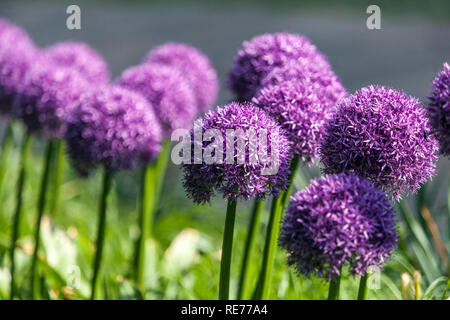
338	221
298	109
238	179
383	135
114	127
17	53
438	110
47	96
326	84
194	65
13	37
81	57
167	90
262	54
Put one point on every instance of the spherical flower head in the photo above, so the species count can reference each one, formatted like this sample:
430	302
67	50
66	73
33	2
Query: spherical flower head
14	37
338	221
383	135
114	127
262	54
17	53
81	57
297	108
47	96
195	66
167	90
243	177
326	84
438	109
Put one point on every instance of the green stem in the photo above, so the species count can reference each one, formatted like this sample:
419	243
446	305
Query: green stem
227	245
147	202
6	151
333	291
294	166
273	229
41	206
18	211
249	244
58	177
363	290
106	190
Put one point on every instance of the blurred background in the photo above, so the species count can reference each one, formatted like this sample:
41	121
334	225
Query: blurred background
407	53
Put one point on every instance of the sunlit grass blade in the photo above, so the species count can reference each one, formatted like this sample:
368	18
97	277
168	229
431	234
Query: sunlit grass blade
106	191
227	246
25	154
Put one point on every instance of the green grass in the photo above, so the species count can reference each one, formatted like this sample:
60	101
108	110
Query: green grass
182	256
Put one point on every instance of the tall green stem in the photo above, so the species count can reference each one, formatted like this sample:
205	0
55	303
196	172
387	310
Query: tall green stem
106	190
147	194
273	228
6	151
59	163
269	249
249	244
333	291
227	245
363	290
41	206
18	211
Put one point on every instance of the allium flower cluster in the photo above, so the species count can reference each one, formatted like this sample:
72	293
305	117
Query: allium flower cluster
81	57
194	65
238	180
438	110
338	221
262	54
17	53
114	127
326	84
167	90
298	109
383	135
47	96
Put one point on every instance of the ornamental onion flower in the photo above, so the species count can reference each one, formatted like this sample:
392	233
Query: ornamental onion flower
81	57
382	135
17	53
438	109
194	65
262	54
167	90
46	97
114	127
237	180
338	221
325	83
298	109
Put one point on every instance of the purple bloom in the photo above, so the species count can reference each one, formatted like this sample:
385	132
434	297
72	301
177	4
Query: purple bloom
298	109
114	127
81	57
382	135
438	110
326	84
243	176
264	53
338	221
46	97
168	92
17	53
194	65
